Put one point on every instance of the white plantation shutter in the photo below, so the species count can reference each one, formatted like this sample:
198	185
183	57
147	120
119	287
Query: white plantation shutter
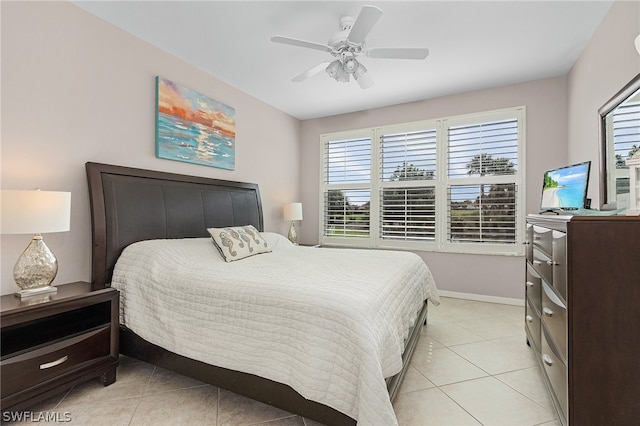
479	145
489	218
408	214
348	160
485	155
626	136
346	216
408	158
626	129
403	155
452	184
346	190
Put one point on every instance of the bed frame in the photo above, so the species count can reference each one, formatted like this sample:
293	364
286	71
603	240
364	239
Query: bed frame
130	205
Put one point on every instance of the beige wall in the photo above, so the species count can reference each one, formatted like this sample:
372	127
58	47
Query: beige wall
608	63
546	135
76	89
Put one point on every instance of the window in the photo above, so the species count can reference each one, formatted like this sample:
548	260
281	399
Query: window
452	184
624	127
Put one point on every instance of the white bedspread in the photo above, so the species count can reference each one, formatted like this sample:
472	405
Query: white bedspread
328	322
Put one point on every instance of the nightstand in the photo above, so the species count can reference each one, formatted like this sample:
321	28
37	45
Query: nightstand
51	343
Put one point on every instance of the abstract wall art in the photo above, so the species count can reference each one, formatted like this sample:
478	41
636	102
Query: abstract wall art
193	128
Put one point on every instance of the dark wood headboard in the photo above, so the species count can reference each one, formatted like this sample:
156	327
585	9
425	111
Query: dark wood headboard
130	205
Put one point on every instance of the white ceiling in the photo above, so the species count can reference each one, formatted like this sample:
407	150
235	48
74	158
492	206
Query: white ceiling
473	45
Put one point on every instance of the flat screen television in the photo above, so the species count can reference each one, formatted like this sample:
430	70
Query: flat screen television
565	188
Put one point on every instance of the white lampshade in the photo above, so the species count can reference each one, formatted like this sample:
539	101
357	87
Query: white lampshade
35	212
293	211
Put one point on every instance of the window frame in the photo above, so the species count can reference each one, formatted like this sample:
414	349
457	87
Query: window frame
441	183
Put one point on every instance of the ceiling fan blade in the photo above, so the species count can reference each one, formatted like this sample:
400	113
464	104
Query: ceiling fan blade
310	72
301	43
367	18
398	52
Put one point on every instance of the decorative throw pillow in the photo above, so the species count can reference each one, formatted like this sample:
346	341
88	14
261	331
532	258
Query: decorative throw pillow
238	242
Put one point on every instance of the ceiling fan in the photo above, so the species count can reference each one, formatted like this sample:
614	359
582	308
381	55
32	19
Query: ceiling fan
349	43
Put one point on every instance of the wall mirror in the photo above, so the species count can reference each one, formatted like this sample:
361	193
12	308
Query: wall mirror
620	139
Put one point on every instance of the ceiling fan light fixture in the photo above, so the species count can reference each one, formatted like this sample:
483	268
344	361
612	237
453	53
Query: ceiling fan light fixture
343	76
351	65
334	69
362	77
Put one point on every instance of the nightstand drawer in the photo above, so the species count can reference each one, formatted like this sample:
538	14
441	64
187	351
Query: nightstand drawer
34	367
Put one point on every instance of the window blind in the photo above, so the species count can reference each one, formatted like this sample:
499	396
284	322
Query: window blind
626	131
408	214
450	184
348	161
347	213
482	149
408	156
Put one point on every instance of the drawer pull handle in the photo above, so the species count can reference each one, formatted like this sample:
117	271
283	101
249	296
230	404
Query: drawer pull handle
53	363
529	318
547	360
548	312
529	284
537	262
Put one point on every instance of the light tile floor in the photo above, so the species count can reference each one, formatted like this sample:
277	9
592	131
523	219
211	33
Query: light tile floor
471	367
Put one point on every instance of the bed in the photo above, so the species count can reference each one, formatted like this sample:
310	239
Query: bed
271	326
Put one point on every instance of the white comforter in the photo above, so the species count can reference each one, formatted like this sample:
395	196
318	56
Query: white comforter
328	322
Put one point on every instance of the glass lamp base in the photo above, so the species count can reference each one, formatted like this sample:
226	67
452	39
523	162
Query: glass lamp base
36	267
293	234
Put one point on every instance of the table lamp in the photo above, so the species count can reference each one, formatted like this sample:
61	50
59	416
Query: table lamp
293	212
35	212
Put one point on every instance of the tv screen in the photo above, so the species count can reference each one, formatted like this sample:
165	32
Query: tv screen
565	188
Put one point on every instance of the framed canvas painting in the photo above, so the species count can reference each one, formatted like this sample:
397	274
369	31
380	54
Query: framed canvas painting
193	128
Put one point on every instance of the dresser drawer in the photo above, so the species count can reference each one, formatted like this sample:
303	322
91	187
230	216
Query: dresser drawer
529	242
555	370
559	262
542	238
532	322
534	288
554	316
543	265
34	367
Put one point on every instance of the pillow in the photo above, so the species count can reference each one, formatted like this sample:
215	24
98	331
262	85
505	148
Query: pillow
235	243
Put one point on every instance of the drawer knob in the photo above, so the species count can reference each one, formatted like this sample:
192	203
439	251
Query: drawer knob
548	312
551	263
53	363
529	283
547	360
529	318
537	262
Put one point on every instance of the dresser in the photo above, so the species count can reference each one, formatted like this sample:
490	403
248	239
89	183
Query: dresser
582	314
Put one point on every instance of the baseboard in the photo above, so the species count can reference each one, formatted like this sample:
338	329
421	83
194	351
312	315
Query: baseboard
482	298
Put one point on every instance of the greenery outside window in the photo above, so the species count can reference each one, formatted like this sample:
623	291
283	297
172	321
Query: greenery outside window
451	184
